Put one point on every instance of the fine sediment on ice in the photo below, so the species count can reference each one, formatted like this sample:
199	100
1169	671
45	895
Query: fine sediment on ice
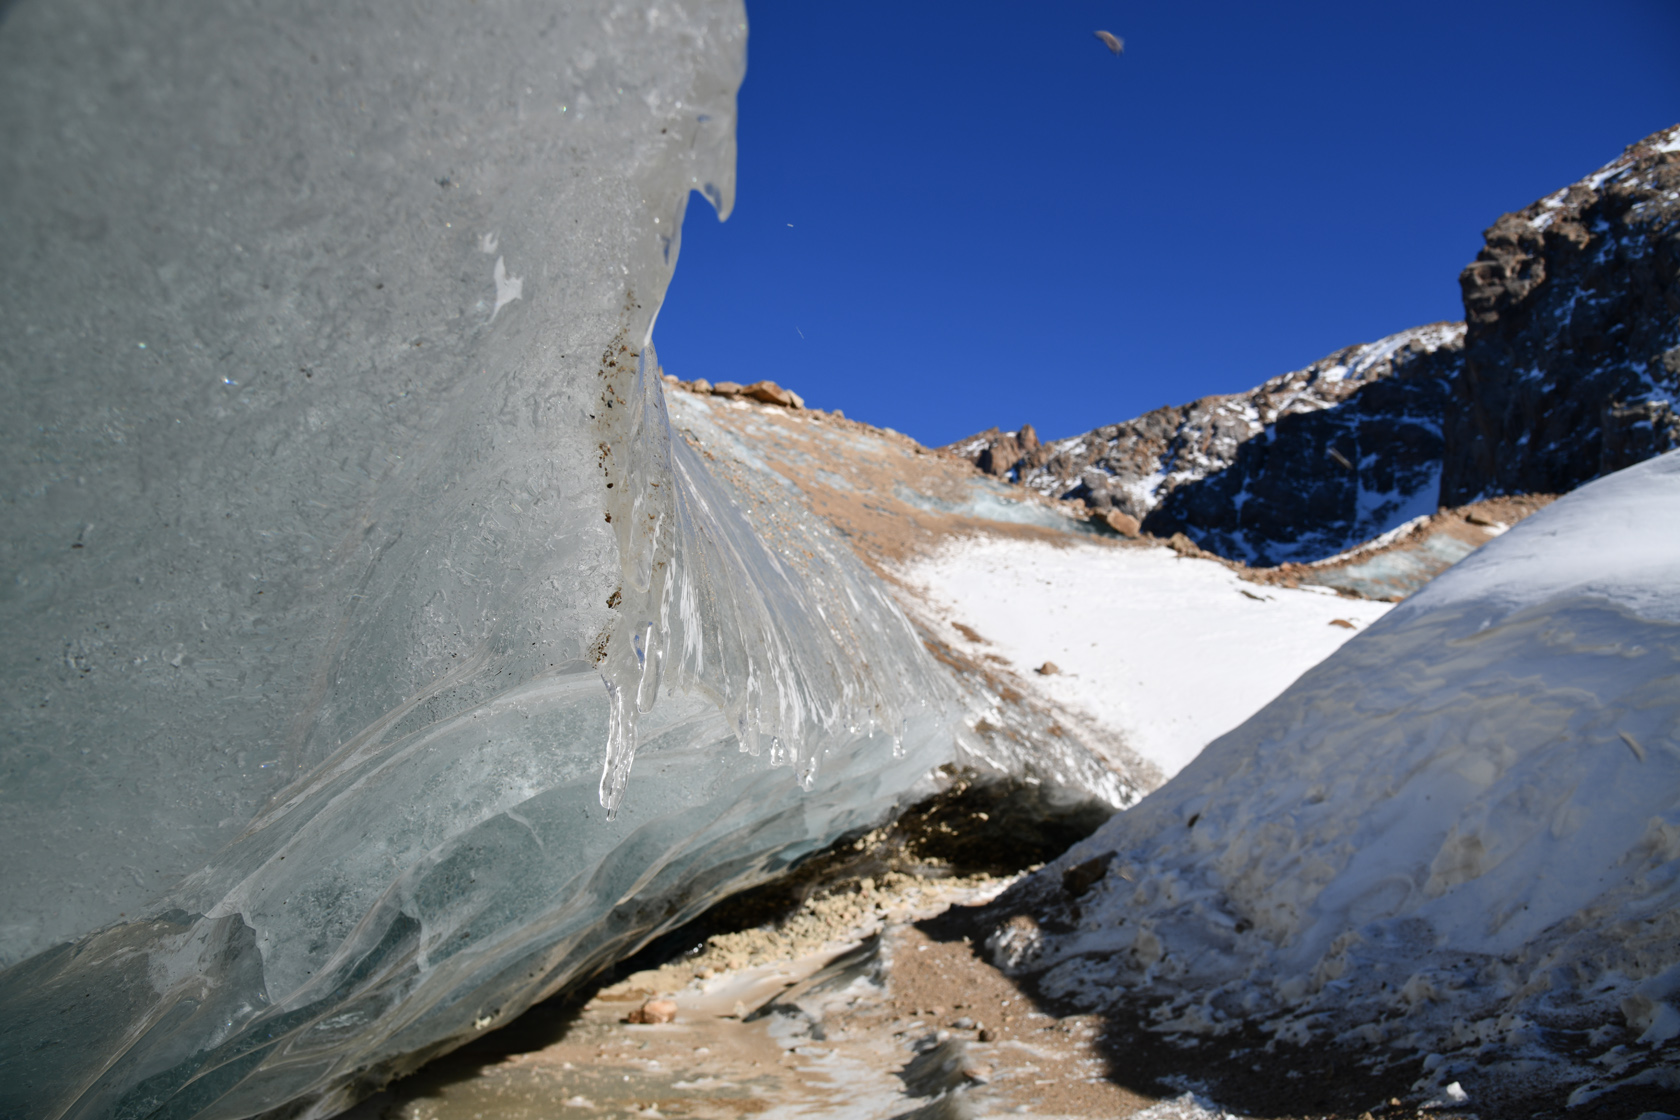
1458	836
338	484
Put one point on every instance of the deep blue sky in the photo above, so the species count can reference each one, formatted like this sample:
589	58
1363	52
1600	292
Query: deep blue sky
951	216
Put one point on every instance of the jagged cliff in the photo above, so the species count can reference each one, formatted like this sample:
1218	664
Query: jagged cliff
1566	368
1572	353
1300	468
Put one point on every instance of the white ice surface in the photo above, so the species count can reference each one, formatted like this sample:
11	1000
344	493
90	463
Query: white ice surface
1170	652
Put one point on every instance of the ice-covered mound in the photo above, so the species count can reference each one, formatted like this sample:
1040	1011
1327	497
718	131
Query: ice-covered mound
1459	834
338	485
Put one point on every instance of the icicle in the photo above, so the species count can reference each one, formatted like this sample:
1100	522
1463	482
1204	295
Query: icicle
650	654
621	746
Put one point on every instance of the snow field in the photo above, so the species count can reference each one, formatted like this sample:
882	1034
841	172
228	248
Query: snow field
1170	652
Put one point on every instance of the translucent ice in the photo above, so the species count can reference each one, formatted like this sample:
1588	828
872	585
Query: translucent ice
338	484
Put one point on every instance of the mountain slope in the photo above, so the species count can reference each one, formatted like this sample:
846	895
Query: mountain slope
1300	468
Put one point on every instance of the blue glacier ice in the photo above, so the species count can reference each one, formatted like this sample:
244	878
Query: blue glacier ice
376	662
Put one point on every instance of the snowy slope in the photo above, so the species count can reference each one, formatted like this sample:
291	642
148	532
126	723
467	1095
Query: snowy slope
1460	833
1165	651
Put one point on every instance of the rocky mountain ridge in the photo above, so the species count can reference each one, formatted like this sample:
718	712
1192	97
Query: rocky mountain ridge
1572	348
1301	467
1566	367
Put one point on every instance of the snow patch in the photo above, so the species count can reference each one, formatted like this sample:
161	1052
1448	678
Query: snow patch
1167	651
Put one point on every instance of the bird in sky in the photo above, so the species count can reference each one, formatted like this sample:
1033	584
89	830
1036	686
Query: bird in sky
1110	40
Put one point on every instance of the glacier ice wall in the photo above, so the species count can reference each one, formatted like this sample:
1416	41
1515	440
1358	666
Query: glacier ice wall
1459	833
337	483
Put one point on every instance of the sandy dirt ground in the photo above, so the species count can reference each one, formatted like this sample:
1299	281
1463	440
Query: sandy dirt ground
885	1024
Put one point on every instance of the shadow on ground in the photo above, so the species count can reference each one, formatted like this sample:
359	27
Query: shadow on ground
1255	1075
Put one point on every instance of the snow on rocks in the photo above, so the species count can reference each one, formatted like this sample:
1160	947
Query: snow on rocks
1458	836
1167	652
1263	476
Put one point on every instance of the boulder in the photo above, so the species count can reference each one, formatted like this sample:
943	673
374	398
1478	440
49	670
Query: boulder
1003	454
771	393
1123	523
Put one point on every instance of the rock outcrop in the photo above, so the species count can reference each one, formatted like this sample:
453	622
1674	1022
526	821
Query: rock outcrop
765	392
1300	468
1572	353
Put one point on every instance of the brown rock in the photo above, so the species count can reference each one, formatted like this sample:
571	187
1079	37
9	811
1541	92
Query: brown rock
771	393
1081	877
727	389
1048	669
1184	546
1342	622
700	385
999	453
1123	523
654	1011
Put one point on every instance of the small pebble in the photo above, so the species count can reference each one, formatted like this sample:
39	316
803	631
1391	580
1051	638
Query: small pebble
655	1011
